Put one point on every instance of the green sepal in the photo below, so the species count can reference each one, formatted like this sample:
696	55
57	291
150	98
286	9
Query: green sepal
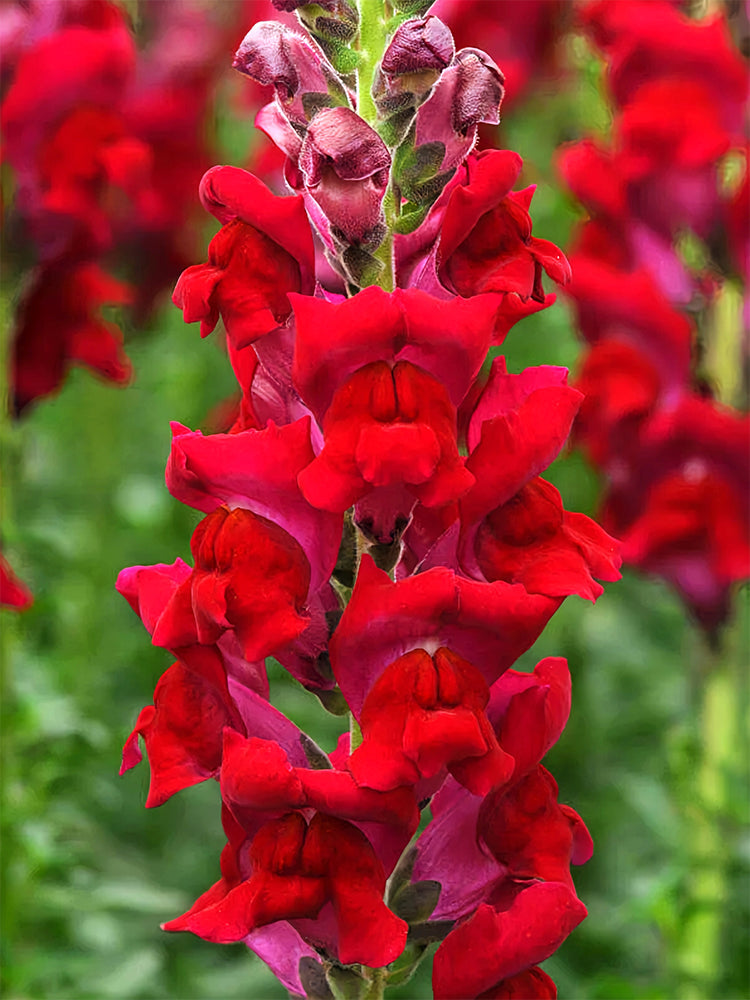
313	978
345	984
402	970
394	129
432	930
361	267
415	901
343	59
316	758
332	701
314	101
411	218
413	8
416	164
323	25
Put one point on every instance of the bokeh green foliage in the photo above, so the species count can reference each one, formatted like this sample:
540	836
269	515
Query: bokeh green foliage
655	756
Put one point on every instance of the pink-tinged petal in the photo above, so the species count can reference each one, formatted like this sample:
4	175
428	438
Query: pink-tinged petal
420	49
486	243
257	470
529	833
488	624
531	540
257	774
262	720
506	392
147	589
245	281
282	949
490	178
496	944
449	852
469	91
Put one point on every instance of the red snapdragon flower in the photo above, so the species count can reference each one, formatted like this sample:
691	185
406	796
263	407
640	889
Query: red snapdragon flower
295	869
263	251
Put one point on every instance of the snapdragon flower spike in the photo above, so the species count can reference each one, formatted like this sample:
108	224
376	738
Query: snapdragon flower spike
263	251
661	41
297	868
678	508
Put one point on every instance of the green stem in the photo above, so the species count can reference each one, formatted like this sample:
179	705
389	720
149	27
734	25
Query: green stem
373	38
699	955
372	41
377	984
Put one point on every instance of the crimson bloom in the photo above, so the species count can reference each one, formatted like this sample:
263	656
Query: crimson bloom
263	251
250	576
295	869
58	325
422	714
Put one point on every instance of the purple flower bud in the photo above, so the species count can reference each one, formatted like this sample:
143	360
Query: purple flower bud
423	43
273	54
345	165
479	90
418	53
468	92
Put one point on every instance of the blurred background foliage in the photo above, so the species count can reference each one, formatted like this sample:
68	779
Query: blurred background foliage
655	757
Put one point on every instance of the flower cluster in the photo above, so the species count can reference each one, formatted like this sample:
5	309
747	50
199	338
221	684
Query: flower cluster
375	520
676	460
106	143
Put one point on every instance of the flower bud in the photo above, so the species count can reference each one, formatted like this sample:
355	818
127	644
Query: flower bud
418	53
411	66
271	53
345	167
